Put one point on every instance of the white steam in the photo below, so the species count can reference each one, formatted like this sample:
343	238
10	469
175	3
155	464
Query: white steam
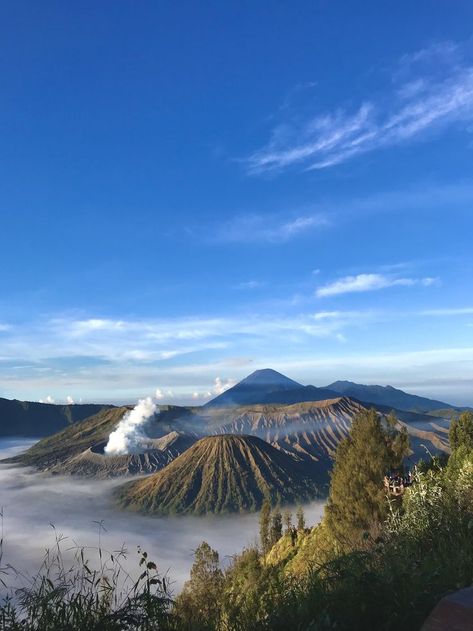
129	435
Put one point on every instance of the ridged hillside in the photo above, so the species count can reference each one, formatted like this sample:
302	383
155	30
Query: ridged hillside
311	429
221	474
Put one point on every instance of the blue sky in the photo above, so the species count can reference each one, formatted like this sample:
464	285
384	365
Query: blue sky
192	191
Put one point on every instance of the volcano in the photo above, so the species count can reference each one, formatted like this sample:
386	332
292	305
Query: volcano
254	389
222	474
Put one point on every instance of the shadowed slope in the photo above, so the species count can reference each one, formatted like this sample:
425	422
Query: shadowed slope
27	418
388	396
220	474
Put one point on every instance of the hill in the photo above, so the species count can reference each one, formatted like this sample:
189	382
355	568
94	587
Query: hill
93	462
254	389
221	474
59	453
27	418
388	396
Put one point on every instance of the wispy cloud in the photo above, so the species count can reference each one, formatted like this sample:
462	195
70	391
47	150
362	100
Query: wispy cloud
369	282
432	89
255	228
249	284
454	311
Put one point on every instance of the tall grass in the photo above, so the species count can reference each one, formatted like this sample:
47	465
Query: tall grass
84	589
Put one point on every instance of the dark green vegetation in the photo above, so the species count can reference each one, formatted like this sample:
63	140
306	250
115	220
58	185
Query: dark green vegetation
25	418
357	501
387	573
408	554
220	474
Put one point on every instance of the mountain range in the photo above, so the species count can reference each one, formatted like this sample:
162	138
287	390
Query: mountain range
266	386
268	435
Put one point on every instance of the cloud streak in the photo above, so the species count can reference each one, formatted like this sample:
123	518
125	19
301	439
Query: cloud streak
271	229
369	282
435	91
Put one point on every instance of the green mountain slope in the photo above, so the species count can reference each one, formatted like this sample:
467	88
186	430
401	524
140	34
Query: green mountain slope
220	474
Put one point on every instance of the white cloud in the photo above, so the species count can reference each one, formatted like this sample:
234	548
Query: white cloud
367	282
48	399
220	386
250	284
254	228
455	311
431	96
69	400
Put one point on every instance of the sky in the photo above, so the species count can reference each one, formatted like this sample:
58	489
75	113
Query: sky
193	191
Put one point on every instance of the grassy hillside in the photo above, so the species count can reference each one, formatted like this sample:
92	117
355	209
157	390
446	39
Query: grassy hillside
220	474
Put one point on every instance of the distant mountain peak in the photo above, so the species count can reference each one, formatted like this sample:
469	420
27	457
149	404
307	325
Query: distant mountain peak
254	388
269	376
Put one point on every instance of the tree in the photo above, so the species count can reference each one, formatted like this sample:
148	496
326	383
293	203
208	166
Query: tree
264	525
357	503
198	604
461	432
300	518
276	526
287	519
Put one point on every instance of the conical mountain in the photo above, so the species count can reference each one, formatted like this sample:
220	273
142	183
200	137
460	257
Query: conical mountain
255	389
221	474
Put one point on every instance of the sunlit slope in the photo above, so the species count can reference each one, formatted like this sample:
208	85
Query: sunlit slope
220	474
76	450
94	463
71	441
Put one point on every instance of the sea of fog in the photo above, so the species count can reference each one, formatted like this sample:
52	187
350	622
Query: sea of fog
33	502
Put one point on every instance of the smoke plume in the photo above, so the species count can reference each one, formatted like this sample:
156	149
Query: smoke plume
129	435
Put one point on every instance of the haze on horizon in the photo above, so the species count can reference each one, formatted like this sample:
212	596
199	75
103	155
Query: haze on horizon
190	194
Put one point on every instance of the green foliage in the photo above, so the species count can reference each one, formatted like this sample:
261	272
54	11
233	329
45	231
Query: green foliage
287	520
276	526
264	524
198	603
461	431
357	503
300	518
424	551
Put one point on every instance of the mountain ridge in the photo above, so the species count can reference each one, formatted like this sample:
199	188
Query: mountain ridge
388	395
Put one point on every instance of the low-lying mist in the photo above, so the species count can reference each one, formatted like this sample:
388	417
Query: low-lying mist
32	502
